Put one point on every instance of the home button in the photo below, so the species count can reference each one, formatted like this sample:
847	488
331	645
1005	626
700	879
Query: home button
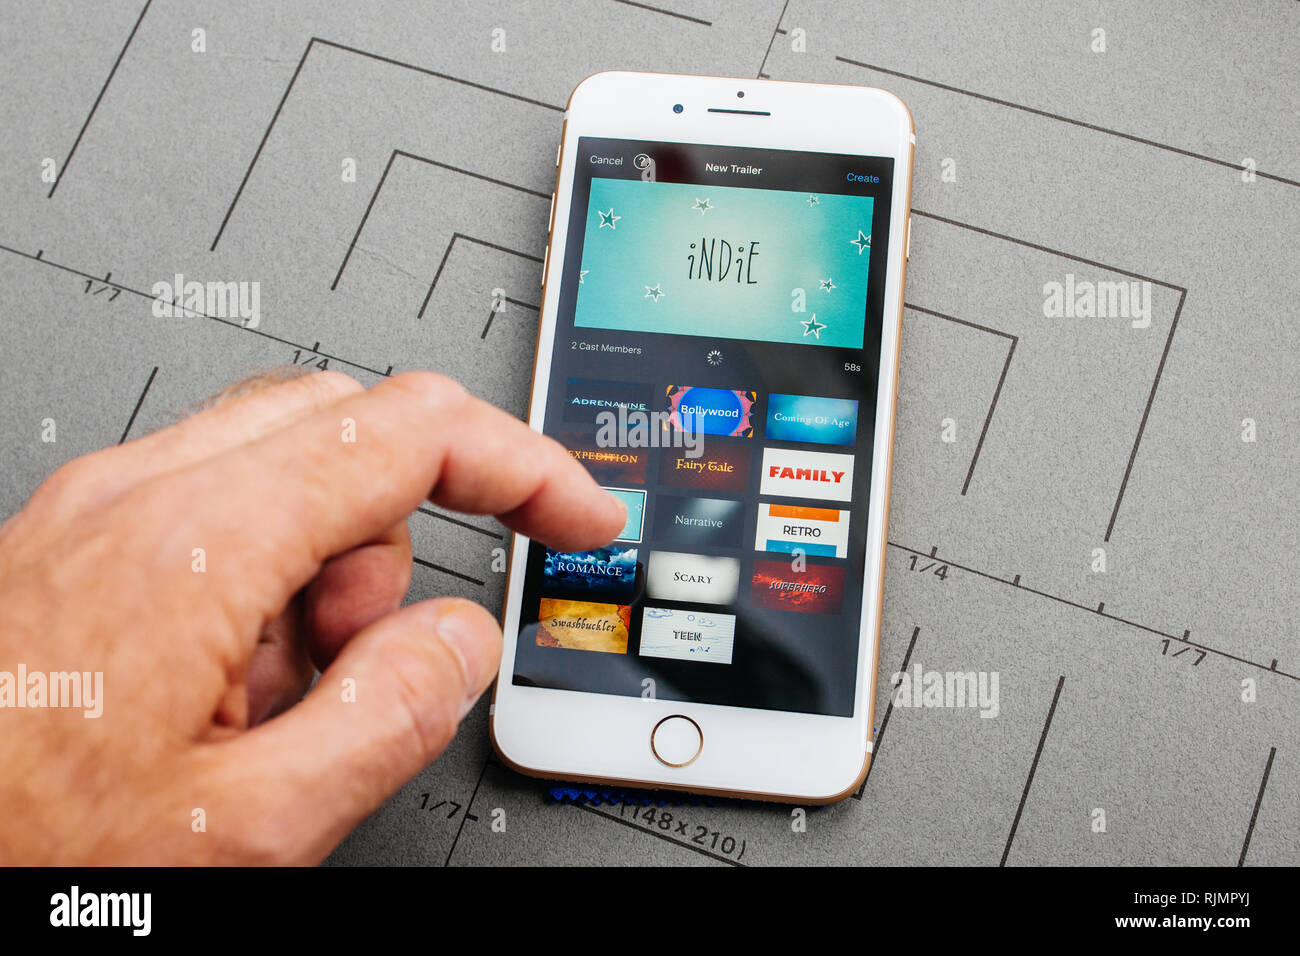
676	741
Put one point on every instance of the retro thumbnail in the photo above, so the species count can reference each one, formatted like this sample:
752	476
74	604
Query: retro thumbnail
819	532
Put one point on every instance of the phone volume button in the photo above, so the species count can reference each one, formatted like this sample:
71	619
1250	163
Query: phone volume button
546	258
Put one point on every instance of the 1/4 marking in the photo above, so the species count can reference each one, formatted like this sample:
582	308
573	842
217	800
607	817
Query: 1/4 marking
940	570
311	358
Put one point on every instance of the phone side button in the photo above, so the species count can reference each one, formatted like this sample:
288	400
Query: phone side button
546	257
907	252
676	741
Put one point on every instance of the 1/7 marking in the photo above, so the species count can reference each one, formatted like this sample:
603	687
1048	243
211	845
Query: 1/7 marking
425	804
91	290
1164	651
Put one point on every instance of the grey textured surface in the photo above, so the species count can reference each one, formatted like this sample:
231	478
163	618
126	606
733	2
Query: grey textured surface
1117	164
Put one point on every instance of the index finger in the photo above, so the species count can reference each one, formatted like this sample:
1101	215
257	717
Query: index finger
341	476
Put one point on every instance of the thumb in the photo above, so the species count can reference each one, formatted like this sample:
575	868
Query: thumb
388	706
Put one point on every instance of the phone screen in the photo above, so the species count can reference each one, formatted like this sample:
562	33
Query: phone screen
715	367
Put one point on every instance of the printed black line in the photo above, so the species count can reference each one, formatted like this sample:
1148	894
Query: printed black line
1146	412
1042	739
951	318
447	253
660	836
492	313
431	162
1018	585
775	31
1048	249
260	146
1169	339
889	709
366	215
465	816
997	392
667	13
455	574
139	401
58	178
437	274
372	56
215	318
1066	119
464	524
438	75
1259	798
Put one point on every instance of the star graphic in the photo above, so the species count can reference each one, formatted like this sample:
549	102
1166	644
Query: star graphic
703	205
863	242
827	285
582	274
812	327
608	218
813	200
654	292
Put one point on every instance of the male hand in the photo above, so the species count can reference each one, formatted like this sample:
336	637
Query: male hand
205	568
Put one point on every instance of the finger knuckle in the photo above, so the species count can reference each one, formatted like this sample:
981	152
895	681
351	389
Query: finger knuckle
328	385
73	479
431	387
261	837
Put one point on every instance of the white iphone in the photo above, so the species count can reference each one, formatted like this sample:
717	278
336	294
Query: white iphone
718	344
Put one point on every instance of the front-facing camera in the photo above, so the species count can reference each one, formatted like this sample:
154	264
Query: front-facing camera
678	108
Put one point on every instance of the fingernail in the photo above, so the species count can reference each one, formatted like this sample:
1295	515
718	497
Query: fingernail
462	628
622	510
